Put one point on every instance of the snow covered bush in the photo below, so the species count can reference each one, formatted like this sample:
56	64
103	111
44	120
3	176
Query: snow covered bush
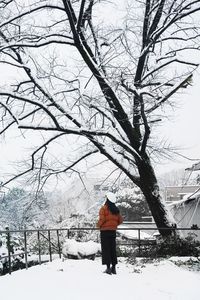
16	252
171	246
77	250
75	224
131	202
22	209
125	251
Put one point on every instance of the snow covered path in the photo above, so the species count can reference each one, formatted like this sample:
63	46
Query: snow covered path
85	280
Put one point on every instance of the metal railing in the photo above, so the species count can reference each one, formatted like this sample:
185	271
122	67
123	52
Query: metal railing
54	244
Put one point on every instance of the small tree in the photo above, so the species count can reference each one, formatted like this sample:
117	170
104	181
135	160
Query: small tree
79	76
132	203
20	209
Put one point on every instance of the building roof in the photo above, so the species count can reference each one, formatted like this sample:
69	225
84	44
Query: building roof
186	199
195	167
176	193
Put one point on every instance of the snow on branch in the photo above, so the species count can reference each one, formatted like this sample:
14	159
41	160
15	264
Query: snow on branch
126	165
34	44
37	103
29	12
170	93
10	112
44	145
87	133
167	63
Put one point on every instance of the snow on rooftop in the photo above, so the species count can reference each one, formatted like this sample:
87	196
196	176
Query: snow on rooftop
186	199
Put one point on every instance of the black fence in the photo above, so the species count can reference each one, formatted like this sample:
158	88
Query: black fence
46	243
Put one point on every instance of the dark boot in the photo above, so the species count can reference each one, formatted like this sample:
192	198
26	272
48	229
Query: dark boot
113	270
108	271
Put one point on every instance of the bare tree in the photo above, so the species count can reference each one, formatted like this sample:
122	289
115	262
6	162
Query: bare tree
78	75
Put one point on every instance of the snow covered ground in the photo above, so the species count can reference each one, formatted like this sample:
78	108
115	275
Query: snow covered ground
85	280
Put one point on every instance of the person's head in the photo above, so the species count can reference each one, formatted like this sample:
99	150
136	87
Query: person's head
111	197
110	202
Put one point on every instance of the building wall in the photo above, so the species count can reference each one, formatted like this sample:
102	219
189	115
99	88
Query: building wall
187	214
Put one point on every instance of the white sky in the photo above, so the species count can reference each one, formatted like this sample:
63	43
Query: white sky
182	129
85	280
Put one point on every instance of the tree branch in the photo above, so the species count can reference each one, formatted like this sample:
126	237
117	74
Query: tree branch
173	91
37	103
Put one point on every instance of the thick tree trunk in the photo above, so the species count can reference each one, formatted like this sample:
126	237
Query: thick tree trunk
150	189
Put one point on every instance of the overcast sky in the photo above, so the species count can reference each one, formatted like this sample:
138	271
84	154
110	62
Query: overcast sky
183	128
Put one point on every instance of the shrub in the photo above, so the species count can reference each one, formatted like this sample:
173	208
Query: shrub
171	246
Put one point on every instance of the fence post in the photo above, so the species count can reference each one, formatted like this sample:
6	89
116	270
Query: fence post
139	241
49	238
59	248
174	235
8	248
25	249
39	246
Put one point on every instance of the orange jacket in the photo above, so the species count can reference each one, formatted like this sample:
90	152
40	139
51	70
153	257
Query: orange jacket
107	220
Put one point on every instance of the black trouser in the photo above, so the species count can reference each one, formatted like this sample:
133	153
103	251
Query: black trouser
108	247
